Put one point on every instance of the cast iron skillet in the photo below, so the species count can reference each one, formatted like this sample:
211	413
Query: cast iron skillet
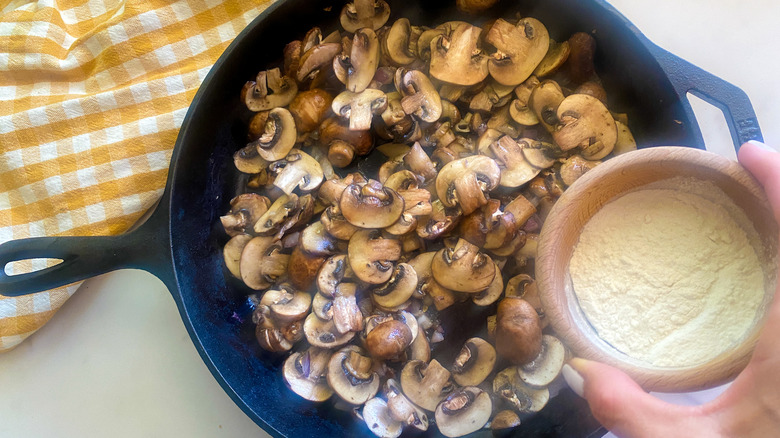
181	241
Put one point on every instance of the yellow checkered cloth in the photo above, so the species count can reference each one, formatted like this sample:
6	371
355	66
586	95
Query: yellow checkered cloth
92	95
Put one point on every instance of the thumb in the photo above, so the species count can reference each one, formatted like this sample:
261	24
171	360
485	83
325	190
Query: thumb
764	163
624	408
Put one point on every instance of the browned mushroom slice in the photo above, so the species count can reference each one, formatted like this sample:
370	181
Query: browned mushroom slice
518	331
464	411
456	58
586	123
398	289
371	206
247	160
474	6
523	398
304	373
519	109
399	44
279	136
463	267
520	48
245	210
466	181
541	371
506	419
394	113
402	409
371	256
269	90
420	348
359	108
380	422
277	214
516	169
232	253
439	222
420	97
302	267
574	167
323	334
361	62
425	385
544	102
344	144
315	59
420	163
492	293
297	170
539	154
556	56
286	303
364	13
315	240
474	362
424	43
351	377
336	225
331	275
309	108
347	316
262	262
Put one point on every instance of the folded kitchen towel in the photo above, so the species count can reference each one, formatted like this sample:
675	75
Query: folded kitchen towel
92	95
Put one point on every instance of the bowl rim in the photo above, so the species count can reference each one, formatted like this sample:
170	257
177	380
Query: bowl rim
554	253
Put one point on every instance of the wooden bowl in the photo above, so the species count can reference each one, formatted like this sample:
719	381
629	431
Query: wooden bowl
610	180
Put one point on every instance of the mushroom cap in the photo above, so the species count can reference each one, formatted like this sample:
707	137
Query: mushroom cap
520	48
518	331
541	371
505	419
231	253
425	385
465	181
256	95
302	267
371	205
586	123
398	289
380	422
389	339
464	411
455	57
574	167
309	108
297	169
364	13
279	136
463	268
474	362
371	256
262	262
350	375
304	373
556	56
323	334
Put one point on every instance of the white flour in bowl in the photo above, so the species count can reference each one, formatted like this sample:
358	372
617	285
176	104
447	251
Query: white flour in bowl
669	276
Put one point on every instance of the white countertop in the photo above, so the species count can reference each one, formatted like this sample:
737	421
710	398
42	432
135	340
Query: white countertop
117	361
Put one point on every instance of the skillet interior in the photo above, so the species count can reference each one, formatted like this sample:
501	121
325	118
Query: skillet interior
213	305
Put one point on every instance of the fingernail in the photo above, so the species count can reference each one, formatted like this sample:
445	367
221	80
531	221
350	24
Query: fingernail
760	145
573	379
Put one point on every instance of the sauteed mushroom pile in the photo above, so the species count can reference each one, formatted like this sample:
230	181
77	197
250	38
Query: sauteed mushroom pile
483	128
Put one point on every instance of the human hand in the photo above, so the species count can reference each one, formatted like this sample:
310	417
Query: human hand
750	407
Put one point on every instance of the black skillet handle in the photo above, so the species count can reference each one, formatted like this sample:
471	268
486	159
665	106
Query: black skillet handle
736	107
146	247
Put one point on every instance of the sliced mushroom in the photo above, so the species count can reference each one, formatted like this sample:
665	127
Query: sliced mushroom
245	210
371	256
297	170
402	409
556	56
304	373
331	275
313	60
272	335
519	109
262	262
360	64
516	169
358	108
541	371
425	385
347	317
364	13
420	97
544	102
322	306
321	333
466	181
463	268
279	215
518	331
474	362
286	303
371	206
269	90
464	411
351	377
625	139
525	399
316	240
380	422
506	419
420	163
279	135
336	225
420	348
520	48
439	222
398	289
492	293
232	253
399	45
574	167
456	58
247	160
586	123
539	154
309	108
303	266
